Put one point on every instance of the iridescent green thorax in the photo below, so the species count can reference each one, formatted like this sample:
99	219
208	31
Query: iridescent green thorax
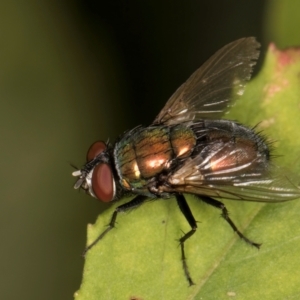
146	152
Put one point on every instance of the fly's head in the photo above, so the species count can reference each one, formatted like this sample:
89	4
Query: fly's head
96	177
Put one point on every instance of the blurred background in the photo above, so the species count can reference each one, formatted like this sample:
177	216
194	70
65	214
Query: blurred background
72	72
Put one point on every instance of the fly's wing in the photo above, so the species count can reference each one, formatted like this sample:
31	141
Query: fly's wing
219	176
208	92
273	188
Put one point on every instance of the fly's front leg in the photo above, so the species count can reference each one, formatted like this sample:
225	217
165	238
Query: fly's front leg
225	215
191	220
137	201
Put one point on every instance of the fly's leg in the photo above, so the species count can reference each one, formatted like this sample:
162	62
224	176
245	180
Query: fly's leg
191	220
225	215
137	201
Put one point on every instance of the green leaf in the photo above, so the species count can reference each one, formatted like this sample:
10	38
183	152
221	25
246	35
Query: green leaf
140	259
282	22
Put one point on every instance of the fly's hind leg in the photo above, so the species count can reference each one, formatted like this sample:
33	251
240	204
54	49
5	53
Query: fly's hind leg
137	201
225	215
191	220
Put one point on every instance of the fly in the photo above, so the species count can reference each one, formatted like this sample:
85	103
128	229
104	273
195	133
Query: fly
189	149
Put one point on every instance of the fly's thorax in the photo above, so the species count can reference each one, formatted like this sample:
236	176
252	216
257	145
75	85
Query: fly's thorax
145	153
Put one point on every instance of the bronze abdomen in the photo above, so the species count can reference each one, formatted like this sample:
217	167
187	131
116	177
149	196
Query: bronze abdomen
146	152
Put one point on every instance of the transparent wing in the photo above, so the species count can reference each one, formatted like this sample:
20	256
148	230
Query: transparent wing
217	177
208	92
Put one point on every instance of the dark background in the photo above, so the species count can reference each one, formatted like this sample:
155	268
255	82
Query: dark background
72	72
159	44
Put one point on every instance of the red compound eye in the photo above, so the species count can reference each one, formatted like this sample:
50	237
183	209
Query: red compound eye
95	150
103	183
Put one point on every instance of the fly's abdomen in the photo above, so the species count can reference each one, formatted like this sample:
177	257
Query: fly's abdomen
147	152
183	141
227	147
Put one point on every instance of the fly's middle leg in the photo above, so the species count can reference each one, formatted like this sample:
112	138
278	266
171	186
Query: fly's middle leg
186	211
